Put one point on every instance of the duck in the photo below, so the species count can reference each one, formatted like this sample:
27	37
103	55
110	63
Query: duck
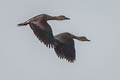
42	29
65	45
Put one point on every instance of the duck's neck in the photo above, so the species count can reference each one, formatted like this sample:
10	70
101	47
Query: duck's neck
53	18
75	37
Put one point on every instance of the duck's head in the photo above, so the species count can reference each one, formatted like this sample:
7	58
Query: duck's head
62	17
83	38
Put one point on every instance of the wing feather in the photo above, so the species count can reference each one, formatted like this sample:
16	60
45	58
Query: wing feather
44	35
65	50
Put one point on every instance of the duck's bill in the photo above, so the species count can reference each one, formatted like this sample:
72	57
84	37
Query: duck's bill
67	18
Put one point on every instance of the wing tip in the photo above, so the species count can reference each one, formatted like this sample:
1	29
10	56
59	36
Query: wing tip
70	59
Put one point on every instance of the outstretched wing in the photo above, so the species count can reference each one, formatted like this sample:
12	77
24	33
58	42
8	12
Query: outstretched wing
65	50
44	34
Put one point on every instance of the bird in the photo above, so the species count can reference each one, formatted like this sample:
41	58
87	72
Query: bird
42	29
65	46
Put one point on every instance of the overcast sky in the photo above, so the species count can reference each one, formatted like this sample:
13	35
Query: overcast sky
23	57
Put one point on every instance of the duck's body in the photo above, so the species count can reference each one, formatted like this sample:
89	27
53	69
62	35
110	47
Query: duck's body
65	47
42	29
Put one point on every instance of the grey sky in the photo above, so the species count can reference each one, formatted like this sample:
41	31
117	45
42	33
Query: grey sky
23	57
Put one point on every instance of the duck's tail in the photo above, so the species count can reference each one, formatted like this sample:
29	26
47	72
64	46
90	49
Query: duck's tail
24	23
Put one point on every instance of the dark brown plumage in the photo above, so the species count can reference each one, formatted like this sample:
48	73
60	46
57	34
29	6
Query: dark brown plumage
42	29
65	46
